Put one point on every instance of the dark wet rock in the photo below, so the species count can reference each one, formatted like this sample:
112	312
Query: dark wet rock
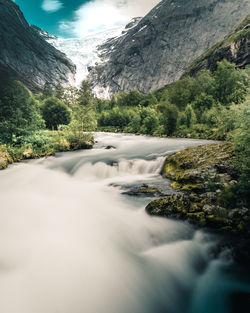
110	147
143	190
164	43
26	56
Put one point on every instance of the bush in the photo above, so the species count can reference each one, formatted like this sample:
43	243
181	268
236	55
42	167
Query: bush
55	112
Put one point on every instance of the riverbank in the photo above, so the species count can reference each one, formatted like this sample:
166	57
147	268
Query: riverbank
41	144
202	177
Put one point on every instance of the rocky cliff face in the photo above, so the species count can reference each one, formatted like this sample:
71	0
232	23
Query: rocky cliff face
235	48
27	56
160	47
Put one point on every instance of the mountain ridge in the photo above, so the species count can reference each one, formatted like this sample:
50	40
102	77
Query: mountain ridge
163	44
26	56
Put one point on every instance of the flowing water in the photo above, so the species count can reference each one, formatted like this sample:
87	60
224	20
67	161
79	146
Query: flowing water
72	242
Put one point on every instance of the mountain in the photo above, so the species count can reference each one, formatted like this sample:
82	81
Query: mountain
160	47
235	48
26	55
84	51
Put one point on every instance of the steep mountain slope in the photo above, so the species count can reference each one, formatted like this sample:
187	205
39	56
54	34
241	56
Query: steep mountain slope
161	46
235	48
83	51
26	56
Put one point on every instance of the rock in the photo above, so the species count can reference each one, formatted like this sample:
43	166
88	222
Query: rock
144	190
163	44
110	147
26	56
174	206
197	173
208	209
196	168
29	154
5	159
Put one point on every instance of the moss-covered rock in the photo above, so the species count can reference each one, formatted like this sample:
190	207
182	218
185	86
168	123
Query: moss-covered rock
5	159
192	169
199	174
144	190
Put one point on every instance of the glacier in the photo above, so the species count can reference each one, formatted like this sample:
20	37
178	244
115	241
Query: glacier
83	51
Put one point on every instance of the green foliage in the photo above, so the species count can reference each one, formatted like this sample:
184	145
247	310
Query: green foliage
169	116
181	92
230	83
150	121
190	116
85	96
19	112
55	113
202	103
47	91
133	98
59	91
149	100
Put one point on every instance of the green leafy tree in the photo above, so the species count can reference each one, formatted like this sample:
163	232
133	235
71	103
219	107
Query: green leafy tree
190	116
202	103
19	112
47	91
85	96
59	91
230	83
148	100
150	121
170	114
181	92
55	112
133	98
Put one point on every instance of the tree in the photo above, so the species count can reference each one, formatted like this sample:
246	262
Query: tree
19	112
181	92
150	121
148	100
55	112
190	116
85	96
59	91
202	103
169	116
47	90
133	98
230	83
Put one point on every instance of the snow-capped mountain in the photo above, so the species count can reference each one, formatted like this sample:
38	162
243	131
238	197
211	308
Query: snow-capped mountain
84	51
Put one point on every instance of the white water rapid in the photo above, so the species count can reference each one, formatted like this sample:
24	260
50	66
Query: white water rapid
71	242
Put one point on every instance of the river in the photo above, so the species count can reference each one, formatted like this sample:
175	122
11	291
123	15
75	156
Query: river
72	242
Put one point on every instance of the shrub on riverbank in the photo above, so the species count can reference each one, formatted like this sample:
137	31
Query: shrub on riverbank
40	144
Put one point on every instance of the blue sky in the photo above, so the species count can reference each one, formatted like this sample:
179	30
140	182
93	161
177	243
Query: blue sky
78	18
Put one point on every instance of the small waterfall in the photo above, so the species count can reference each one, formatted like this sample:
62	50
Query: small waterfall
122	167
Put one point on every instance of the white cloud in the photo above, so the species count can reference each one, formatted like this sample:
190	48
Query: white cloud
105	14
51	5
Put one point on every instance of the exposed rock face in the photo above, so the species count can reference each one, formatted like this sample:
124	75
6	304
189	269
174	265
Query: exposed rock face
160	47
235	48
26	55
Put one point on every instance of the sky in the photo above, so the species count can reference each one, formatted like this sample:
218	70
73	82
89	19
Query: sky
79	18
